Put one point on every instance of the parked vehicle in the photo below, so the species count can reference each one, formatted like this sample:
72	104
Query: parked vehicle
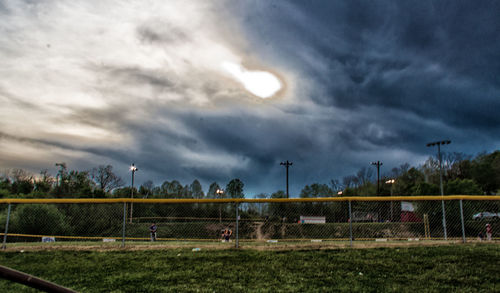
486	215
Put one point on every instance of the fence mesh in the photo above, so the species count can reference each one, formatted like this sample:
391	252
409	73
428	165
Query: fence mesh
253	221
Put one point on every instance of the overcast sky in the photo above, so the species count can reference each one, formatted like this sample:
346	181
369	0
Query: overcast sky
216	90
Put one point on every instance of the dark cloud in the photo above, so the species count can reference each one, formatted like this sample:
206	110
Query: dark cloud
375	80
403	73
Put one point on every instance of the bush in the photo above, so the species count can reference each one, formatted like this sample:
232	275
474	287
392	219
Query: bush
38	219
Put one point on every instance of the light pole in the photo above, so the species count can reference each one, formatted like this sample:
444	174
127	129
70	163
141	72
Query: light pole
219	194
439	143
378	164
391	182
133	169
286	164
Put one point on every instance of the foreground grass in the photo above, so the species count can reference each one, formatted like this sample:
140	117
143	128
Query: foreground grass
467	268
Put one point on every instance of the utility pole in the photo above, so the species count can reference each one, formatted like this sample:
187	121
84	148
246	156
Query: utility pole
286	164
133	169
378	164
439	143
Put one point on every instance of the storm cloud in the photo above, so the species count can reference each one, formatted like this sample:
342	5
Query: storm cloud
111	82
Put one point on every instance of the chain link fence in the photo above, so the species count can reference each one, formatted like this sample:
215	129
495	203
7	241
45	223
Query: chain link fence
465	218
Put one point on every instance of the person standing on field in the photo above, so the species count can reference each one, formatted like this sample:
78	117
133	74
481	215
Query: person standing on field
227	234
153	229
488	232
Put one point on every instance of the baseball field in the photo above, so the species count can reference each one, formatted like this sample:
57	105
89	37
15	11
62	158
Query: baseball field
457	267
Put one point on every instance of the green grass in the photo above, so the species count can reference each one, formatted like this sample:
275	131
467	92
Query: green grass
465	268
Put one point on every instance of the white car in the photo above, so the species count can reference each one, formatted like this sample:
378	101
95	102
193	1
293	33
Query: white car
485	215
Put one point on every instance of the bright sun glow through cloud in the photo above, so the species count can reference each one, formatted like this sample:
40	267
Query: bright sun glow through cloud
260	83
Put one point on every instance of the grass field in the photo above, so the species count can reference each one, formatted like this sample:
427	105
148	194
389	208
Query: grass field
465	268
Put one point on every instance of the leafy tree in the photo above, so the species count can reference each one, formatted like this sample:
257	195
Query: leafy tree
278	194
157	191
277	210
212	190
73	183
94	219
79	183
186	192
462	187
174	189
23	182
425	188
124	192
486	172
164	189
4	181
44	184
234	188
146	189
406	182
463	169
39	219
196	189
316	190
456	164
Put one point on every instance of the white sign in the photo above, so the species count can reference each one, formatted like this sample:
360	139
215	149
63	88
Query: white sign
48	239
108	240
312	220
407	206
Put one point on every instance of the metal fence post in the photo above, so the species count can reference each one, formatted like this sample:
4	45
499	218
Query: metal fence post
237	225
4	245
350	224
462	220
444	220
124	222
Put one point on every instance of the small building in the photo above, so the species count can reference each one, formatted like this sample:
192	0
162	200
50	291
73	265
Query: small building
408	212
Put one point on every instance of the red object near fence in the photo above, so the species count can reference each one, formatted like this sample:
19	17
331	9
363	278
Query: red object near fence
407	216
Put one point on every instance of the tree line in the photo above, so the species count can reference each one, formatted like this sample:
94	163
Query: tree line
462	174
102	182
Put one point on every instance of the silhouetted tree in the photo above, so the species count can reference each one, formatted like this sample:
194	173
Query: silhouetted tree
104	177
22	183
196	189
44	184
234	188
212	190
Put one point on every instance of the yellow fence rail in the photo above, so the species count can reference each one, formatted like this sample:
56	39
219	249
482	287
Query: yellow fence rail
249	200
